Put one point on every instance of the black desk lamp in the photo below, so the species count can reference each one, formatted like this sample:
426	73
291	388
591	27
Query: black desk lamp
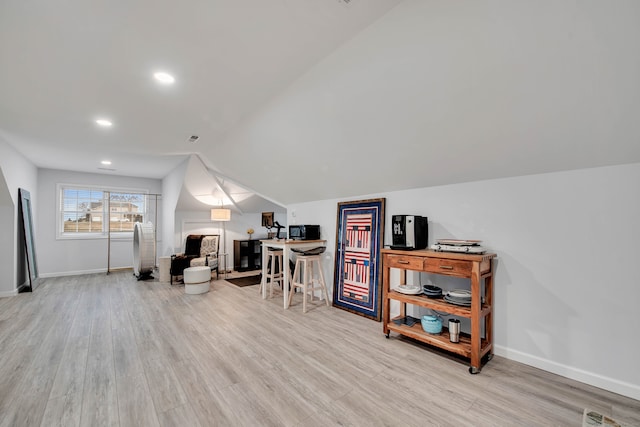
277	225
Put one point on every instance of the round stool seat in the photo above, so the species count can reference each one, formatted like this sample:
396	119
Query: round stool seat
309	252
196	280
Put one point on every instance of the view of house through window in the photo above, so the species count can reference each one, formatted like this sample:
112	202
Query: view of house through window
86	210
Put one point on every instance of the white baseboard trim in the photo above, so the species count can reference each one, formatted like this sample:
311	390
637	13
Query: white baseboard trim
73	273
12	293
610	384
81	272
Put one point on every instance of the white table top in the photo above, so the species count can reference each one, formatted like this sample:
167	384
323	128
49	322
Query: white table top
281	242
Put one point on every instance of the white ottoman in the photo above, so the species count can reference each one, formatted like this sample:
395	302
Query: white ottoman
196	280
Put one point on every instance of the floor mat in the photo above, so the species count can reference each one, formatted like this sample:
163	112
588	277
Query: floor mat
245	281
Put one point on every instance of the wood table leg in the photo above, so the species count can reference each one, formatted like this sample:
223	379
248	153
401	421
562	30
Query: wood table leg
476	305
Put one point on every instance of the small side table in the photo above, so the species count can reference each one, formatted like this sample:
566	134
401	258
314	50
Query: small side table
164	267
221	257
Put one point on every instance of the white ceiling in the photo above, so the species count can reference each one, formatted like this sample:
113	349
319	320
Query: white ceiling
303	100
64	64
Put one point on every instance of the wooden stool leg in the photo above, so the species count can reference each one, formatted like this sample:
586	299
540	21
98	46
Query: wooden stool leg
271	288
323	284
280	272
311	280
305	280
293	282
266	279
272	258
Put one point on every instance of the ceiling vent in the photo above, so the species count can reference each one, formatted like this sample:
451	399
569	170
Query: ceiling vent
194	138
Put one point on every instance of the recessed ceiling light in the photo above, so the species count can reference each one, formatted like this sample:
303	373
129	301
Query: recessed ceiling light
164	78
104	123
106	162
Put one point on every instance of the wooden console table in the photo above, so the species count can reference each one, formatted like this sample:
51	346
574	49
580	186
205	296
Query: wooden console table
477	268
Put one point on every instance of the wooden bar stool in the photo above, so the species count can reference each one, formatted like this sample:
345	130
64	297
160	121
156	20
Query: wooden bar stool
304	277
274	272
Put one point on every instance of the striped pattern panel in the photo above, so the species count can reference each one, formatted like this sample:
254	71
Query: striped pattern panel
357	257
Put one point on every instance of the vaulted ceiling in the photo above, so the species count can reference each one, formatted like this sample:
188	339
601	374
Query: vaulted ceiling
65	64
203	188
304	100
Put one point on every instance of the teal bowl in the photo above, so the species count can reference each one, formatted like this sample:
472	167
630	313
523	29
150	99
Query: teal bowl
431	324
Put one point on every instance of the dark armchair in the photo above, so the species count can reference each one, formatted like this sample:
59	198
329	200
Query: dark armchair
199	250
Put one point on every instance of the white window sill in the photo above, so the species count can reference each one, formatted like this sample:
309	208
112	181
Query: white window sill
97	236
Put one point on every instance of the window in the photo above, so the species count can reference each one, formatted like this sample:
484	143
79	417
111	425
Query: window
93	212
126	209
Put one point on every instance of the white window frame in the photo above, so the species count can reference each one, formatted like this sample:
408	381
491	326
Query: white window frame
103	234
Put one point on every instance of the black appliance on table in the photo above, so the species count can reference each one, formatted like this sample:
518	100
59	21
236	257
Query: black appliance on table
304	232
409	232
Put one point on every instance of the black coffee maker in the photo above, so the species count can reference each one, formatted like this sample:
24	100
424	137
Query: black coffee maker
409	232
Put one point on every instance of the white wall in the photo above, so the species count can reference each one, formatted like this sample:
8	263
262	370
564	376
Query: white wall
171	187
7	246
236	229
566	284
18	173
78	256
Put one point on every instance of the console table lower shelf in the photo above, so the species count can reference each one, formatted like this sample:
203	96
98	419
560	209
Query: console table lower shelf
441	340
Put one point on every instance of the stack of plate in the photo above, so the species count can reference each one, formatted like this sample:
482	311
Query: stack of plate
408	289
432	291
458	297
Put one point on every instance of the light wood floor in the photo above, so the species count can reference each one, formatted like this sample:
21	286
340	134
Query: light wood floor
109	350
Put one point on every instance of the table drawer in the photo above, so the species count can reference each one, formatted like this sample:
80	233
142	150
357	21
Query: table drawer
405	261
448	266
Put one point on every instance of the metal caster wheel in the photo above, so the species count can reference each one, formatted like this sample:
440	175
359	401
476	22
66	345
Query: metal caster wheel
489	356
473	370
387	335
